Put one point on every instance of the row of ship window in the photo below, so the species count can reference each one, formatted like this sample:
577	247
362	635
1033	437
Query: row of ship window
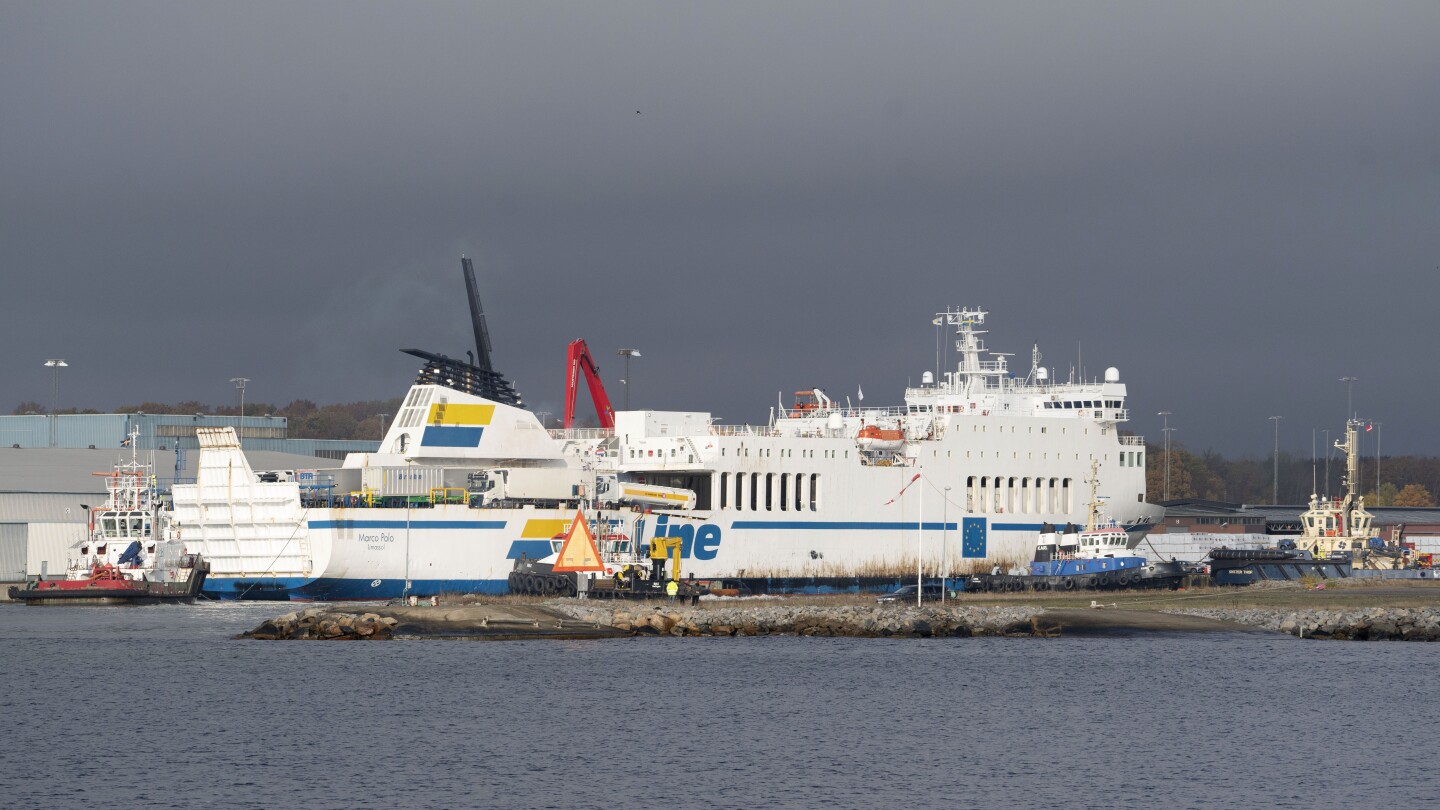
1012	495
1089	403
1132	458
770	492
800	492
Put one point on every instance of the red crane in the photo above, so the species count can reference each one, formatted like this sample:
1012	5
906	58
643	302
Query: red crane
578	359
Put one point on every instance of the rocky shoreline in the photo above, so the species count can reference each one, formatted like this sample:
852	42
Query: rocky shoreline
575	619
1358	624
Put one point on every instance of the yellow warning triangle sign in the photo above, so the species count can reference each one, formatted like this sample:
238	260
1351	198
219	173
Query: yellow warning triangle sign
578	552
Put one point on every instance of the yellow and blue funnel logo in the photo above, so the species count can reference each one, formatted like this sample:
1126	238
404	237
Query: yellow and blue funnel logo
456	425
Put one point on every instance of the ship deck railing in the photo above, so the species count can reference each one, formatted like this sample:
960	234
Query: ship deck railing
854	412
581	433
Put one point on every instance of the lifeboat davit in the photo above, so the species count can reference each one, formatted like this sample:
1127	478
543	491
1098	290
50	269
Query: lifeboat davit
879	440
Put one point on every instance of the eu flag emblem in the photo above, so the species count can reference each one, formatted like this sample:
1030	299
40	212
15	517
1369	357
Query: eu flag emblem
972	538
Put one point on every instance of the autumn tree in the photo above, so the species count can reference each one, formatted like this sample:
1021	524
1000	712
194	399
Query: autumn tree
1414	495
1386	496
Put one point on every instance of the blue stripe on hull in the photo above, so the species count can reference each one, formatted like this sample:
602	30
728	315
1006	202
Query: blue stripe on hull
534	549
820	525
400	524
327	589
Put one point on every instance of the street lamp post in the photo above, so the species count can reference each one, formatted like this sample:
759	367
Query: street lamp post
627	354
382	424
1166	432
1275	480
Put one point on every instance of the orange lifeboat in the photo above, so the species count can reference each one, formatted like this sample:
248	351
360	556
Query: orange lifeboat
878	439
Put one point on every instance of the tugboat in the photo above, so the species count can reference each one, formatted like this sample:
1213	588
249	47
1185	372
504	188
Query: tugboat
1335	540
128	556
1097	557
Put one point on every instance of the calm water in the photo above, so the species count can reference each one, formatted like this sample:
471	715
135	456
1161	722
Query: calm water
158	707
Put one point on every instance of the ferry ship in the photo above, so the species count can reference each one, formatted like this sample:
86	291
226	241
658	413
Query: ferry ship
961	476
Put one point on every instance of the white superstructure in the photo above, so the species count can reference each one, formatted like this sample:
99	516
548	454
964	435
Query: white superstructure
464	484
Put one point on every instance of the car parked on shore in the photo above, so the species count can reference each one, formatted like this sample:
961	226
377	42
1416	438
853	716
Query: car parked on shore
906	593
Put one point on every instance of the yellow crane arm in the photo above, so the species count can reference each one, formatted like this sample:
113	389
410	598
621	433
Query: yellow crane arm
662	547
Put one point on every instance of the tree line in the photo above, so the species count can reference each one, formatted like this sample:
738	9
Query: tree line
1402	480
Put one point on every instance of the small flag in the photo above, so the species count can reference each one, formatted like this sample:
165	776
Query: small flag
1368	427
860	393
901	493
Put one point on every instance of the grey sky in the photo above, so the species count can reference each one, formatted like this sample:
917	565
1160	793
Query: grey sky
1237	204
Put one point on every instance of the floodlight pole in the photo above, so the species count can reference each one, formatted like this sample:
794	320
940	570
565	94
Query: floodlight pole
627	354
1166	432
240	422
1378	425
54	365
1349	396
1275	475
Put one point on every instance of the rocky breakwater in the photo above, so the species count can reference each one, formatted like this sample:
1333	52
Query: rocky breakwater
318	623
1356	624
490	621
799	620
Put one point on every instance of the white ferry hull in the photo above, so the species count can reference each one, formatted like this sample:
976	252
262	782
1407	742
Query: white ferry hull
387	553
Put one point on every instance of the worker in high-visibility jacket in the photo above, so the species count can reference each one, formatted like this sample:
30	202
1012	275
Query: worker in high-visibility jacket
672	588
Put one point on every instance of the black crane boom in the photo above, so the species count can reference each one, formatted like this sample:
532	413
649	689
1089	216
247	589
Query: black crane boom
477	317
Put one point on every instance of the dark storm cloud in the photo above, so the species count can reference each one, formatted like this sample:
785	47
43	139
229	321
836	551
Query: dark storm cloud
1236	204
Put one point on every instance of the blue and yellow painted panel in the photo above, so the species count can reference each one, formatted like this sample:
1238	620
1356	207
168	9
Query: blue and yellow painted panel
445	414
456	425
535	538
452	436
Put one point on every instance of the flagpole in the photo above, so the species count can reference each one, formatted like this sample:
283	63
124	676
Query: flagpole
920	545
945	545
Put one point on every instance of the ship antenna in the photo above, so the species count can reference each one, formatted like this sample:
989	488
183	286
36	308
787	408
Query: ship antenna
477	317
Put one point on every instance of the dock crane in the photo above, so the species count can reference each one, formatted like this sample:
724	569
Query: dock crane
578	359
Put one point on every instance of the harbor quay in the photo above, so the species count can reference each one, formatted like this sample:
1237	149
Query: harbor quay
1361	613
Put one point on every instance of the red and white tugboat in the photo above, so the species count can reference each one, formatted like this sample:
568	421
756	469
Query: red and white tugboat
130	554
